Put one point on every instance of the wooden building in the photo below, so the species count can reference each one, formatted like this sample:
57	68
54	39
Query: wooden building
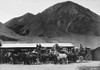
24	47
96	54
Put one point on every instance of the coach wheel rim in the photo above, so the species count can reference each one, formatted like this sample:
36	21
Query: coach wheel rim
81	58
88	57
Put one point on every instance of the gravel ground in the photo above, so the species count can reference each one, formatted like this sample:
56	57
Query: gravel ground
73	66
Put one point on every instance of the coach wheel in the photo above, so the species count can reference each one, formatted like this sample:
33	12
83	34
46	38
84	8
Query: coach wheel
81	58
88	57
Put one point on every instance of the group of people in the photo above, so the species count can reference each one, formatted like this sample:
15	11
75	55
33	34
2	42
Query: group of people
41	55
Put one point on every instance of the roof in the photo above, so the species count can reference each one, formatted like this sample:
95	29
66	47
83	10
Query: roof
34	44
98	48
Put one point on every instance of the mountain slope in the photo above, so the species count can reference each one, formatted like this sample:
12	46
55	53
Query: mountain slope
58	20
6	34
71	17
23	25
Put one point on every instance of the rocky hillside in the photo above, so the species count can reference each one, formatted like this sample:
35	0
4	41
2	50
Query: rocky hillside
6	34
58	20
21	25
70	17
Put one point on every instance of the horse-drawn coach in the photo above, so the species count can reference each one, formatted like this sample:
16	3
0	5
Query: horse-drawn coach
43	53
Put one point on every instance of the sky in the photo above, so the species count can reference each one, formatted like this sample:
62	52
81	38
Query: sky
14	8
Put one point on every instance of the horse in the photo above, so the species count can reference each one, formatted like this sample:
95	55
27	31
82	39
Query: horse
15	58
6	58
24	58
72	57
31	57
62	57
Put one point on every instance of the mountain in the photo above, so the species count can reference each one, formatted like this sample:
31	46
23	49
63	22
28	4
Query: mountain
24	25
57	20
62	22
69	17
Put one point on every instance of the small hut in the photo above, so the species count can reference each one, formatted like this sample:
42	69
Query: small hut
96	54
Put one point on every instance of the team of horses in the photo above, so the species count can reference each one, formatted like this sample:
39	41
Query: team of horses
40	55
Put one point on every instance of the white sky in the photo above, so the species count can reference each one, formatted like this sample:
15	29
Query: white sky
14	8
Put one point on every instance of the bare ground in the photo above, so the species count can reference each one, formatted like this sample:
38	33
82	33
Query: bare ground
92	65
